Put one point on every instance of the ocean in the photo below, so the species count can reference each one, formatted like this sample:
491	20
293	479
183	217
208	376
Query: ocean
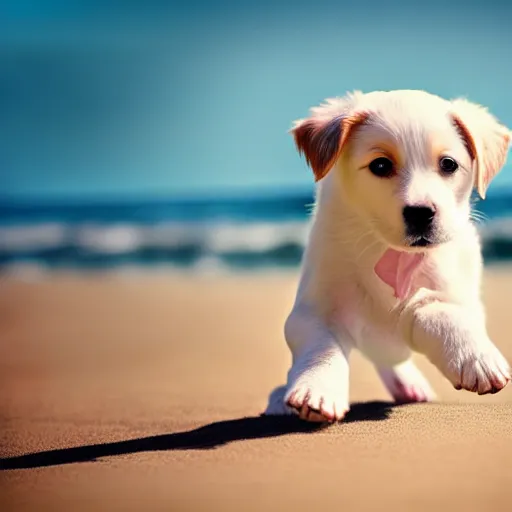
238	233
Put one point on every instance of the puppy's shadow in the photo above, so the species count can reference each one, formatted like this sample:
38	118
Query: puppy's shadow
203	438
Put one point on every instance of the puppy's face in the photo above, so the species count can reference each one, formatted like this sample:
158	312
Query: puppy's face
411	178
407	160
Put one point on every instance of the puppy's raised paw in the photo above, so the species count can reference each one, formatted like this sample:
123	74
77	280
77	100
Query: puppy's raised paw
486	372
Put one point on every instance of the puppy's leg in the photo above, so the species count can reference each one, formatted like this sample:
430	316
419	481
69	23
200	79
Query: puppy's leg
317	387
318	383
454	338
405	383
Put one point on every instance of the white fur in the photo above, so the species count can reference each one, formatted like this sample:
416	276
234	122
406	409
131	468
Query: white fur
341	304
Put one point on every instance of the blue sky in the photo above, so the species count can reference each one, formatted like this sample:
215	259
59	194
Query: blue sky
166	98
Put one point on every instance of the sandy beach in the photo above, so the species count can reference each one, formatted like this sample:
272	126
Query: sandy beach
143	392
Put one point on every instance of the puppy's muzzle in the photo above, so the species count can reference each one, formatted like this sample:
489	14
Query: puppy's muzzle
419	223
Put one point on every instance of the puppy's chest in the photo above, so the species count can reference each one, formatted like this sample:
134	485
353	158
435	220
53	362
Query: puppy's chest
367	309
372	323
369	326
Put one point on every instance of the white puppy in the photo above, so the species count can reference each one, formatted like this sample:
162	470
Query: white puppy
393	262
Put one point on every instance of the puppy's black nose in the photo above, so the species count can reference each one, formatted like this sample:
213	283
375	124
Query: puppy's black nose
418	219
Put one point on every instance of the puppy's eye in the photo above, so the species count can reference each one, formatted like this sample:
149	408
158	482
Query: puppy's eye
381	167
448	165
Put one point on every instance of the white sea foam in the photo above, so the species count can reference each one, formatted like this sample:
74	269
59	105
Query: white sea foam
42	236
210	238
500	228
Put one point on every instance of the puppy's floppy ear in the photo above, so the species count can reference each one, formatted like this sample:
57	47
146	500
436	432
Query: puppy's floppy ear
486	139
321	136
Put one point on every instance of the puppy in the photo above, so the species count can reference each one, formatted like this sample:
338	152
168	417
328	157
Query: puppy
393	263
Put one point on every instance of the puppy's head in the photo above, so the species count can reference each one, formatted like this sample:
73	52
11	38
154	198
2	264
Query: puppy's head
407	160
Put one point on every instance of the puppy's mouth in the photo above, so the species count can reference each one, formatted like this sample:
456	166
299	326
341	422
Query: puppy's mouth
411	242
422	242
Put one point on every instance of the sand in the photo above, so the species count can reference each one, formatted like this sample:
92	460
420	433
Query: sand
143	392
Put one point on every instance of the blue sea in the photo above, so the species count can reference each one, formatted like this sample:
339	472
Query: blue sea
213	233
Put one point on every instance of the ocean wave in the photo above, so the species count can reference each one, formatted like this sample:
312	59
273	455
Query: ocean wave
190	243
41	236
204	246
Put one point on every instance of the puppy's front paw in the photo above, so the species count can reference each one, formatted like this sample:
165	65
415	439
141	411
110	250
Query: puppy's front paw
318	394
480	371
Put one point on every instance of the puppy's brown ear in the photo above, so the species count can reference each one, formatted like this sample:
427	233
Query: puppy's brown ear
486	139
322	136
